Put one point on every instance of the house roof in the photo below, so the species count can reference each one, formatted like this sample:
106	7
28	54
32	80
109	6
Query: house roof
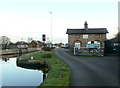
21	42
113	40
12	43
87	31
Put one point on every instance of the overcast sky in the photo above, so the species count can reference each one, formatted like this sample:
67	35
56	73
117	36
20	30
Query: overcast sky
31	18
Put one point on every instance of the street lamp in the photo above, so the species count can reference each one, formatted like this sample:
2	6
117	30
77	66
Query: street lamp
51	27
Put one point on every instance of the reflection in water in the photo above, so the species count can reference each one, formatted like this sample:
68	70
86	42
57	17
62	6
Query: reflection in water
12	75
9	56
5	59
44	76
24	64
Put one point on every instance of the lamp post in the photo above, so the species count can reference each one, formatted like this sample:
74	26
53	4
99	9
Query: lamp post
51	27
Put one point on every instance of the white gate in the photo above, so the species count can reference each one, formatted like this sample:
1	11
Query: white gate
77	45
76	48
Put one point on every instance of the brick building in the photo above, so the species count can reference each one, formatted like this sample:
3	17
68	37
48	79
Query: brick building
86	37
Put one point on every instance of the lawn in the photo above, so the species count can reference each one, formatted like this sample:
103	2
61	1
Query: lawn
59	74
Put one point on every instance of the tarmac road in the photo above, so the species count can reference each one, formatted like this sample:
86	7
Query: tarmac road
90	71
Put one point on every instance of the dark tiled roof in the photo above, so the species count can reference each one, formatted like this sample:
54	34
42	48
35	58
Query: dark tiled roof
21	42
113	40
87	31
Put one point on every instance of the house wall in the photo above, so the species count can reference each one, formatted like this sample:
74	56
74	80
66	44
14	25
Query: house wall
0	46
33	44
72	38
12	46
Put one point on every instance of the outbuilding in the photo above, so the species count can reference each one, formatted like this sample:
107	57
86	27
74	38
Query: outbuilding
112	46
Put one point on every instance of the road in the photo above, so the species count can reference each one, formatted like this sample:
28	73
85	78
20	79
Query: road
90	71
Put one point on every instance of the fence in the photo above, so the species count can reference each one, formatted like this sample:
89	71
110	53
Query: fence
17	51
89	51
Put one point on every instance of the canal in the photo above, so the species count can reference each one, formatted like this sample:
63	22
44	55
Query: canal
12	75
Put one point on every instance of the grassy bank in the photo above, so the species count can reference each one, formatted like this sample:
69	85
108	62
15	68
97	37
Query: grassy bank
59	73
69	51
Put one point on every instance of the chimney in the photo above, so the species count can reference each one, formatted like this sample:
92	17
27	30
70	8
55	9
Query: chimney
86	25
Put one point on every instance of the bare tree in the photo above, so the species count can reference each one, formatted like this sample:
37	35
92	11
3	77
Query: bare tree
118	36
4	41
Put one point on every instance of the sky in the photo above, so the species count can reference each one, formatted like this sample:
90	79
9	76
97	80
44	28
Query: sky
31	18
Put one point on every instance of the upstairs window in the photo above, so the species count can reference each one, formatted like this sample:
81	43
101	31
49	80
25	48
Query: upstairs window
85	36
97	35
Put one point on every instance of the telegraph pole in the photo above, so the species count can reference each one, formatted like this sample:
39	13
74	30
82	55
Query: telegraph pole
51	27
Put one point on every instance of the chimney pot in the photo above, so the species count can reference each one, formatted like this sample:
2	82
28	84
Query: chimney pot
86	25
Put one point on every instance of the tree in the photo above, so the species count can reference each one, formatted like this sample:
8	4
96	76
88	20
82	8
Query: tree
118	36
4	41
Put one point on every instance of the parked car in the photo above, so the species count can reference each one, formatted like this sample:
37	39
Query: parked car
64	45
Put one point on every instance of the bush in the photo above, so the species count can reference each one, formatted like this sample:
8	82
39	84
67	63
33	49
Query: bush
46	48
46	55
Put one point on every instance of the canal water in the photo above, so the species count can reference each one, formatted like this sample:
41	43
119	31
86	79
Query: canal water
12	75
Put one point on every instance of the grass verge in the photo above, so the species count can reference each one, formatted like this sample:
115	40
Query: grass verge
57	67
69	51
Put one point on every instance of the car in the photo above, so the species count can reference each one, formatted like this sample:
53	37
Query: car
64	45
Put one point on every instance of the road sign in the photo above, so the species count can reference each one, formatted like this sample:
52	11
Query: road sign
44	37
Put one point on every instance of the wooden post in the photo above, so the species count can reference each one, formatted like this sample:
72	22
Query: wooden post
20	51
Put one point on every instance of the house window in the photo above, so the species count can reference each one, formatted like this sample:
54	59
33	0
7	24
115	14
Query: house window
115	44
97	36
85	36
77	36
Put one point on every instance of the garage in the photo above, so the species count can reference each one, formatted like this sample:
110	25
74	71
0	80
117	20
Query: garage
112	47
